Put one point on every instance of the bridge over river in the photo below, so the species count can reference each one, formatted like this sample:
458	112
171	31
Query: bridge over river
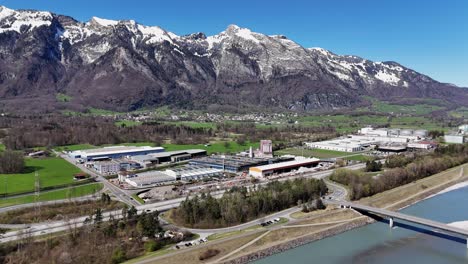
408	218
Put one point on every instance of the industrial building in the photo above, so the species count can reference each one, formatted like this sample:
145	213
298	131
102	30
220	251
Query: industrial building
154	178
107	167
129	165
113	152
463	129
147	179
282	167
266	148
393	132
193	173
233	164
344	145
354	143
383	139
393	148
393	140
422	145
458	137
455	138
170	156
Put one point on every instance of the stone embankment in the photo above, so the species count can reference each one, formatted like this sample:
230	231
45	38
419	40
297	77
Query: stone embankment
301	241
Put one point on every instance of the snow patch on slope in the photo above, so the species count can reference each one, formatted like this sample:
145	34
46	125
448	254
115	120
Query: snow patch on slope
215	40
11	20
5	12
104	22
232	31
155	34
387	77
246	34
321	50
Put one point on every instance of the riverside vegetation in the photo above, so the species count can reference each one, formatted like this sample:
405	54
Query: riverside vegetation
401	170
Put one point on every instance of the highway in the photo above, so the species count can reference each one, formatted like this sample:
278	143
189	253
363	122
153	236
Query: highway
60	226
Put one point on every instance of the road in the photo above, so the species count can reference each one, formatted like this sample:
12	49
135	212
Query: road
282	214
118	193
59	226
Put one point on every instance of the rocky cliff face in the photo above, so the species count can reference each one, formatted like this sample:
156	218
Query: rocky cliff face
122	65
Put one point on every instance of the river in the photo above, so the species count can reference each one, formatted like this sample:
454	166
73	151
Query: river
378	243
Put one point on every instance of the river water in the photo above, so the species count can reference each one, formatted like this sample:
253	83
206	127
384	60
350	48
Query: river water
378	243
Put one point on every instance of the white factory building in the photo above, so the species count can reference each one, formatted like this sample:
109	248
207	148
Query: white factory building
354	143
394	132
458	137
455	139
147	179
369	137
344	145
114	152
107	167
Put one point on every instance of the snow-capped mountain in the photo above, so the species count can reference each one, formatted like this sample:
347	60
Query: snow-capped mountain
124	65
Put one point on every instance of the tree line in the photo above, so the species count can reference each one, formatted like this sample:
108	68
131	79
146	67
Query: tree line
240	205
56	130
112	242
23	132
363	185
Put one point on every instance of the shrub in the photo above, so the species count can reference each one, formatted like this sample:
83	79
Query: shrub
152	245
209	253
118	256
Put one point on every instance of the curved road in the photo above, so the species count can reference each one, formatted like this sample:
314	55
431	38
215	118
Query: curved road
48	228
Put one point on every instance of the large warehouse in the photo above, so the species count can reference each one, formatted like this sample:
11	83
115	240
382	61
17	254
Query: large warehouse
355	143
282	167
169	156
114	152
233	163
193	173
147	179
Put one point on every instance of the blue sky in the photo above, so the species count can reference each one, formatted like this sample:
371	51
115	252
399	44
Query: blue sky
430	36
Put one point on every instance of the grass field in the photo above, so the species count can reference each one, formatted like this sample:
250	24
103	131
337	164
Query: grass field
422	108
63	97
461	112
215	147
194	124
54	195
74	147
138	199
96	111
358	157
127	123
52	171
349	123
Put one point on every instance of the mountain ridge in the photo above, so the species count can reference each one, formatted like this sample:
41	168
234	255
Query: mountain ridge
123	65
